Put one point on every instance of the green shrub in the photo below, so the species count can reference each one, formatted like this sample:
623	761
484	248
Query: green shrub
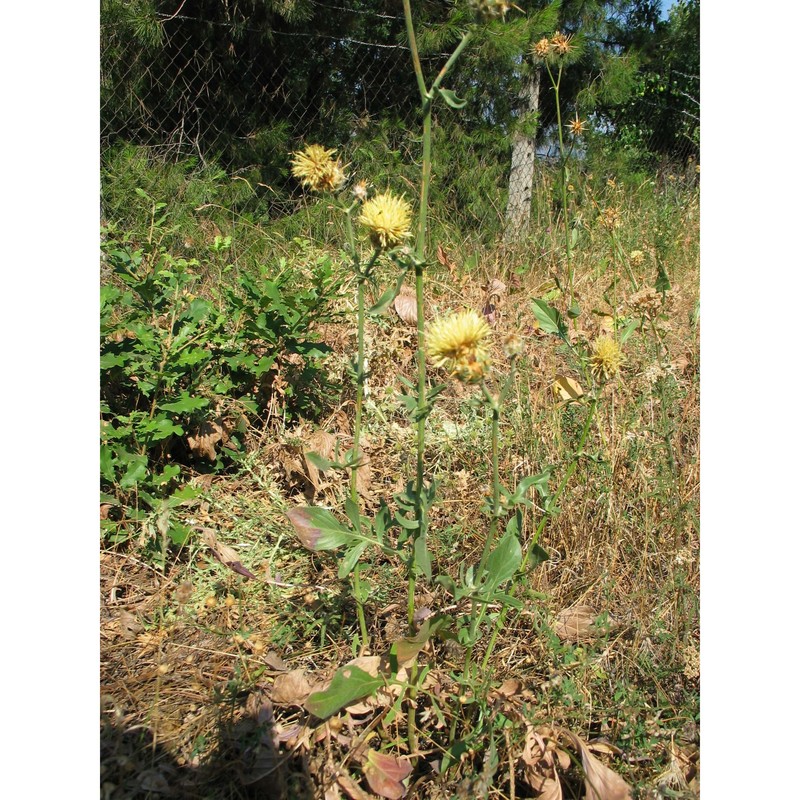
183	375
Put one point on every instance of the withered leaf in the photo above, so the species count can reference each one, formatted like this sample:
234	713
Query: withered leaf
351	788
602	783
385	774
405	304
567	388
576	624
291	689
224	554
211	433
496	289
445	261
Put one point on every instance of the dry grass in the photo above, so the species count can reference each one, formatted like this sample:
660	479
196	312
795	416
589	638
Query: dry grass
190	655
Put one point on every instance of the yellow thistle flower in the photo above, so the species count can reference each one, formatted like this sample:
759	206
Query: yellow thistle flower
577	126
562	44
637	258
388	219
542	48
317	170
606	358
459	344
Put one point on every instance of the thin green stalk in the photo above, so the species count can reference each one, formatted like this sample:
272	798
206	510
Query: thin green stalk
563	167
495	407
539	528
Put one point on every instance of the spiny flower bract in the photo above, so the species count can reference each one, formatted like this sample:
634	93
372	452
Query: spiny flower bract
388	219
459	344
316	168
577	126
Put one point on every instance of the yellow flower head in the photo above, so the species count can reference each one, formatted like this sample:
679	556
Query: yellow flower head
459	344
577	126
562	44
637	258
542	48
388	219
316	169
606	358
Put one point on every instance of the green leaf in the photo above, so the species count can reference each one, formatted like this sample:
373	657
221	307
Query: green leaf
538	556
137	471
349	684
549	318
452	99
107	463
386	299
318	529
111	360
422	556
503	562
625	333
348	563
179	533
184	404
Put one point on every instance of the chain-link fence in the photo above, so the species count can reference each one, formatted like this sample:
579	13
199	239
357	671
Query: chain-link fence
238	88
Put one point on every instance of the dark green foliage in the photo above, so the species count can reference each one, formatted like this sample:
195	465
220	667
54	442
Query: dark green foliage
176	367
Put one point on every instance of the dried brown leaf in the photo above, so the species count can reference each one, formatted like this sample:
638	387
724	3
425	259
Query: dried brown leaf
225	554
129	626
353	790
576	624
385	773
496	289
551	789
567	388
601	782
212	432
405	304
445	261
364	476
291	689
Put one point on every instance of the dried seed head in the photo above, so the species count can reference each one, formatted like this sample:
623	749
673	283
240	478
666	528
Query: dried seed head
542	48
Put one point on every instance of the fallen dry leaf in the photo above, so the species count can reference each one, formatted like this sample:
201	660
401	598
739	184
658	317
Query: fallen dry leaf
567	388
353	790
291	689
385	773
445	261
212	432
225	554
602	783
405	304
576	624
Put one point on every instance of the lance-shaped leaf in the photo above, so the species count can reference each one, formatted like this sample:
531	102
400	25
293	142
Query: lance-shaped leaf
385	774
503	562
318	529
386	299
452	99
349	684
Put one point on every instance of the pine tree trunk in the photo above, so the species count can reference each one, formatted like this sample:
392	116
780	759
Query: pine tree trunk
520	182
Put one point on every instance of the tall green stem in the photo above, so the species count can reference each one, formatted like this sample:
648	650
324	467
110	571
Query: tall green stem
563	165
540	527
